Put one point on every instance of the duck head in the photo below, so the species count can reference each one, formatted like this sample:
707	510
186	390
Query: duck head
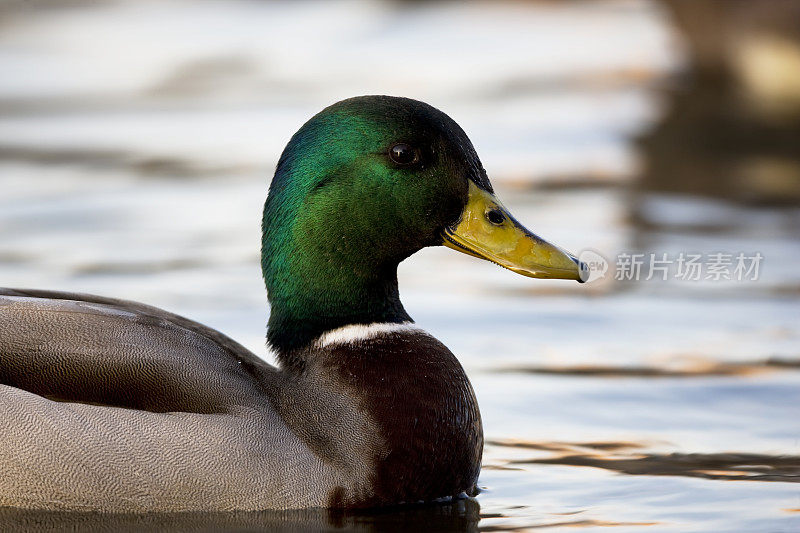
361	186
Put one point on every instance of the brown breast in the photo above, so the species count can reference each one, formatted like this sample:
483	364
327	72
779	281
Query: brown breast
423	405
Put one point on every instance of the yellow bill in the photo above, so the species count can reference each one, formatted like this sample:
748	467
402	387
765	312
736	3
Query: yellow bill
487	230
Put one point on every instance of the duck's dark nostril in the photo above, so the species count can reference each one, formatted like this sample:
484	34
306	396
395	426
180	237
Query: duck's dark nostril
495	216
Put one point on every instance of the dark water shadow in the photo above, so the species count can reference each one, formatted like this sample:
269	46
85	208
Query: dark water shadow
698	368
730	466
457	516
140	165
629	458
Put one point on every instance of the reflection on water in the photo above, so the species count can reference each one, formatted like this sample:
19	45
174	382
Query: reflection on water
138	169
730	466
462	515
694	368
115	160
633	459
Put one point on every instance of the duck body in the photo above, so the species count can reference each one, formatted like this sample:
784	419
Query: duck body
114	406
134	409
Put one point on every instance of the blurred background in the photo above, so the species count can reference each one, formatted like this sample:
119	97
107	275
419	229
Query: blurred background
138	138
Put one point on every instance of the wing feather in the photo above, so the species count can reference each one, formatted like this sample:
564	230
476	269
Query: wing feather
90	349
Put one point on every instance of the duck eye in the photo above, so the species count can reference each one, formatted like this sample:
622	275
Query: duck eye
495	216
403	154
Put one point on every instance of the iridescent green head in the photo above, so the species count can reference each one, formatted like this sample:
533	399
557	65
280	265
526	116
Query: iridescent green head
361	186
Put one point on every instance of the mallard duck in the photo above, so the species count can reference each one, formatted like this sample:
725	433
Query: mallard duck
116	406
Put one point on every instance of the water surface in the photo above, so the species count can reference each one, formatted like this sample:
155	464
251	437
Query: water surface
138	169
